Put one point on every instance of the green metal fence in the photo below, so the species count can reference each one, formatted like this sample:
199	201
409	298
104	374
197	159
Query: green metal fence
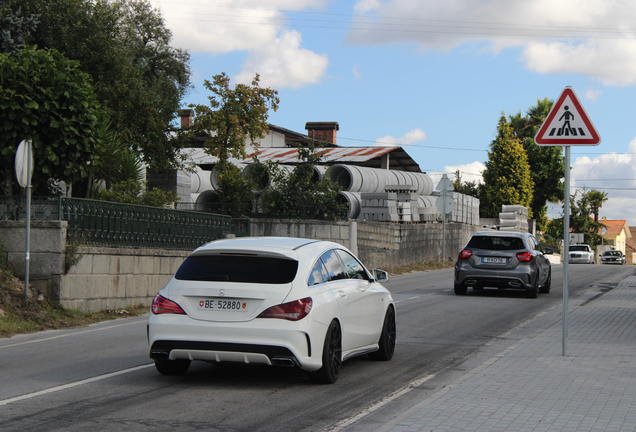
115	224
299	212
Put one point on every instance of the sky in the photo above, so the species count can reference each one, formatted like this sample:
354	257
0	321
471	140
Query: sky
431	76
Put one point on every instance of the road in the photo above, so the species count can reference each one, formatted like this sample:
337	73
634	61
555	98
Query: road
100	378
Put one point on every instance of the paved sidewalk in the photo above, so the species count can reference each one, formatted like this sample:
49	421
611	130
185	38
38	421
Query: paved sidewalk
532	387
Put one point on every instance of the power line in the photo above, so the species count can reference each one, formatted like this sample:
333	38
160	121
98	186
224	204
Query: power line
475	27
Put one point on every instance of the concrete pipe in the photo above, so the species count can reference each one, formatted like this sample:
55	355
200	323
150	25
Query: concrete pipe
352	200
319	173
208	197
264	180
214	176
352	178
200	181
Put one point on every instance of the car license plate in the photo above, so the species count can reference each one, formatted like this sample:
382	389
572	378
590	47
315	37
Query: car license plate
224	305
491	260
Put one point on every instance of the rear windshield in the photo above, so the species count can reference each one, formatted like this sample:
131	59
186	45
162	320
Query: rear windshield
496	243
238	268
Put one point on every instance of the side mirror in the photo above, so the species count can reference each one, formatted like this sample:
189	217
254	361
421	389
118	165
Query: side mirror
380	275
548	251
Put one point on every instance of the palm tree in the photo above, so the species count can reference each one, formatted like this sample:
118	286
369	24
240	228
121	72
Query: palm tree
596	200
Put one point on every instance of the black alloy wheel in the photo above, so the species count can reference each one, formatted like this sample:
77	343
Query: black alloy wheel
387	338
331	357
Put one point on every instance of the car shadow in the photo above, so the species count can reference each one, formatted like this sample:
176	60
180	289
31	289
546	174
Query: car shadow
497	293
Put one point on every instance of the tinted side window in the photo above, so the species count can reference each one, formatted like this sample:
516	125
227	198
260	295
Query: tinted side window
318	274
333	265
238	268
352	267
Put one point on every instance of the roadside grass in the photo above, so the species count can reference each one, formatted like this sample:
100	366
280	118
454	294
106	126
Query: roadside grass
18	316
419	267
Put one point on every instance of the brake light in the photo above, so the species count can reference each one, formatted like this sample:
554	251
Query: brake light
161	305
465	254
524	256
292	311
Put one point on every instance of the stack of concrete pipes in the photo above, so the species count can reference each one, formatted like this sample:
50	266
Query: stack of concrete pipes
205	187
369	193
397	196
513	218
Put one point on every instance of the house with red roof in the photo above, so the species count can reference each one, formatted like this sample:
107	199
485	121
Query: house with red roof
616	233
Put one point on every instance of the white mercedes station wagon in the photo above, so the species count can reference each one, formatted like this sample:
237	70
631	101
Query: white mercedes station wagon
272	300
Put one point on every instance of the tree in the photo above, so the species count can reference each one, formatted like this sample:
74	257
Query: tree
596	200
546	162
46	97
581	221
507	177
234	116
138	77
14	27
296	195
472	188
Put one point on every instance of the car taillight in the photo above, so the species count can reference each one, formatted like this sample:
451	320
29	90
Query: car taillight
161	305
524	256
465	254
292	311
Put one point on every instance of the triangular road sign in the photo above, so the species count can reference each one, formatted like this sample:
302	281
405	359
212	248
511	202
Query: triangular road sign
567	124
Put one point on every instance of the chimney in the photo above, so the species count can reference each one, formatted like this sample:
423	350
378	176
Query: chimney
324	131
186	117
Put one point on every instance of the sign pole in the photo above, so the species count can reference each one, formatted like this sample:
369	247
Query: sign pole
444	230
444	204
28	223
566	249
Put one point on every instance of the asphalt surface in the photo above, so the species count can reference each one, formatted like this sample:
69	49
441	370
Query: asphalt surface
100	377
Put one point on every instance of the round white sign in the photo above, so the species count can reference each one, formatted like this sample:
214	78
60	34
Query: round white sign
24	163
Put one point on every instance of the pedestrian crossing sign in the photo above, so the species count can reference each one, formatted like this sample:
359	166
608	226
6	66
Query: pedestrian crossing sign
567	124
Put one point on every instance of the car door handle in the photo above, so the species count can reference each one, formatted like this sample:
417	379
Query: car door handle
342	293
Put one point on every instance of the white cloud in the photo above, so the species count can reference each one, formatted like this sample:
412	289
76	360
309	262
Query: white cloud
356	72
284	63
249	26
589	37
593	95
409	138
469	172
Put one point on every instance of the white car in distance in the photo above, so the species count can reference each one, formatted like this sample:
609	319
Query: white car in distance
581	253
272	300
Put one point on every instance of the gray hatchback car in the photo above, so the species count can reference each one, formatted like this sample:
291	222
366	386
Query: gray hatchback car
504	260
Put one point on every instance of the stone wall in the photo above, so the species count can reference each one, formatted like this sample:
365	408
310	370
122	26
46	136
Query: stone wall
117	277
46	252
342	232
110	278
377	244
387	245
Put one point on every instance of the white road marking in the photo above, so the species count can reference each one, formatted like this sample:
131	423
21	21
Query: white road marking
71	385
416	297
67	335
404	390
